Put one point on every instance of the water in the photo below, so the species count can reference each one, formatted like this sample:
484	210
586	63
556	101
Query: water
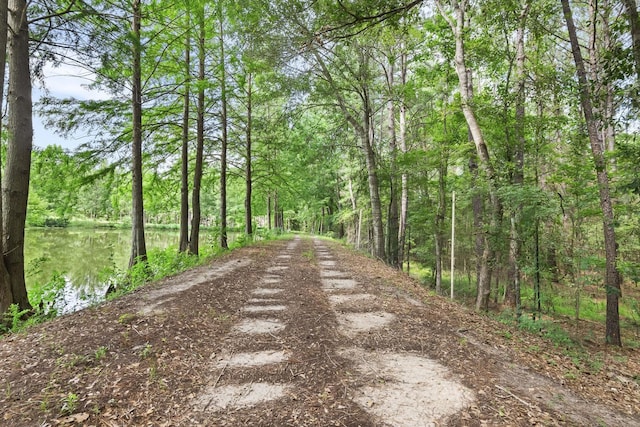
83	257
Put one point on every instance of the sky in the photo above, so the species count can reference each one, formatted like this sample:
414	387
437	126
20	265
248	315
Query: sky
65	81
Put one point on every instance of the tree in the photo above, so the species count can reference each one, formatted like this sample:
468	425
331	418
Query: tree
225	128
16	177
360	118
248	169
198	168
631	7
612	276
458	27
512	292
184	175
138	244
6	294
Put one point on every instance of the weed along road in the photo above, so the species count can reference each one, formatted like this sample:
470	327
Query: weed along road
297	332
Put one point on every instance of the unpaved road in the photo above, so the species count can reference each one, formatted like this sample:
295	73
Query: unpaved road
289	333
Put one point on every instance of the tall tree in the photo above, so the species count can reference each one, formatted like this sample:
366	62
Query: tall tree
248	168
393	226
402	139
458	24
224	141
184	161
612	278
512	293
6	295
16	178
362	121
138	243
198	168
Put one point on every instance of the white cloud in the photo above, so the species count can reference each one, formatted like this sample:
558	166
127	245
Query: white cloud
67	81
64	81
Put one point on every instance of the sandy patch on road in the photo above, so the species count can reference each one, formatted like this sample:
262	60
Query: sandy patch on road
249	359
353	323
239	396
335	284
259	326
406	389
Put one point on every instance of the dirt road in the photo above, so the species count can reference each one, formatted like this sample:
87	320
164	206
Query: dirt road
290	333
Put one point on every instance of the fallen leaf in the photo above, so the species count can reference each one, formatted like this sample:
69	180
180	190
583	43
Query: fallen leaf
74	418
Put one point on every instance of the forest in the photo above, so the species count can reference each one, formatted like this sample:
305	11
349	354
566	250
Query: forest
388	124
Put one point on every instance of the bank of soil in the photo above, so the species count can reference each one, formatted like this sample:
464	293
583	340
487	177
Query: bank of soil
302	332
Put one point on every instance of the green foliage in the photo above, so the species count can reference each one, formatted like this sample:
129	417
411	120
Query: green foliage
147	351
169	261
47	297
547	329
13	319
100	353
69	404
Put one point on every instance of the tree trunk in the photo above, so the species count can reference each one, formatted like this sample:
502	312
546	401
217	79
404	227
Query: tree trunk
184	170
374	188
16	179
138	245
269	209
512	292
466	97
276	211
631	8
194	239
393	216
439	223
477	203
612	276
6	296
224	142
402	139
248	215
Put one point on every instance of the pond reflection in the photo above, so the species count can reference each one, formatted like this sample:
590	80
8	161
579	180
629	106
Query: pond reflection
84	258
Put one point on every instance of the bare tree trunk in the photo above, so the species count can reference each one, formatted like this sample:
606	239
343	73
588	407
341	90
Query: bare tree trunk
184	169
392	222
402	139
224	142
512	292
16	178
276	212
194	239
269	210
374	188
248	215
612	276
138	244
6	296
439	223
477	202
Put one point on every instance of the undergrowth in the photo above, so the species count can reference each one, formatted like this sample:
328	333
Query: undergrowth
557	303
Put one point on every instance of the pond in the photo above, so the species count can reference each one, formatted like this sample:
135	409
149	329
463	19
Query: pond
83	257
